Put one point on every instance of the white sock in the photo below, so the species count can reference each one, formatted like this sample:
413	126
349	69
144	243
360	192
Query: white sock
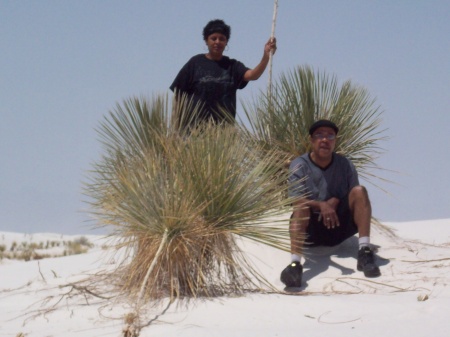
295	258
364	241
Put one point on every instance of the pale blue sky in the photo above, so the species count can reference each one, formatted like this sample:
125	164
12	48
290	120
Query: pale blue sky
65	64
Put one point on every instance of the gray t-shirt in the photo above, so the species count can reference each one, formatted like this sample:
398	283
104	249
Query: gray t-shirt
306	179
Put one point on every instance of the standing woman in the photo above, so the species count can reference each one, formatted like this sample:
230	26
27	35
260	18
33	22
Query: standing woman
212	79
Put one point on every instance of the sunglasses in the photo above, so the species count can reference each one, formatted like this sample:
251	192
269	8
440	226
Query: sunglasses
327	136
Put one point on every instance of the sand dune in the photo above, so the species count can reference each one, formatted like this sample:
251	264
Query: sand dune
411	298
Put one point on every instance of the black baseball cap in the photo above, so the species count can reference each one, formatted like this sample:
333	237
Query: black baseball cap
323	123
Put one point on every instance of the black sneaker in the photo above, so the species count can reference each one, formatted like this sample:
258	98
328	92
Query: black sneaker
291	276
366	263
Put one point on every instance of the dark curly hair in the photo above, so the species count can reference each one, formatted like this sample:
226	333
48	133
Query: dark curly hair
216	26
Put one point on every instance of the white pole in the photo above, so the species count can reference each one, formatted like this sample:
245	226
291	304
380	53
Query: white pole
272	35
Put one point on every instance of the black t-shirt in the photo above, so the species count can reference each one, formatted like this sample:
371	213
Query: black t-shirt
213	83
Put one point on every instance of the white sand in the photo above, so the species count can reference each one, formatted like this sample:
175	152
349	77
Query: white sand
415	263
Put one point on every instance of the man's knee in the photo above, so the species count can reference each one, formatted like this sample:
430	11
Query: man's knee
358	189
359	194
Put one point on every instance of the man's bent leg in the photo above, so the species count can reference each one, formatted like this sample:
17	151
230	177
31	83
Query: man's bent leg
361	209
297	228
291	276
362	214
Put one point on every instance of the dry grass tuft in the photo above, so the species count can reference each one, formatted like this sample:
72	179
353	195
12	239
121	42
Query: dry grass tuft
281	122
202	188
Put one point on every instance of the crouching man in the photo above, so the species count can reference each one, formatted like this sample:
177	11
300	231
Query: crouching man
331	205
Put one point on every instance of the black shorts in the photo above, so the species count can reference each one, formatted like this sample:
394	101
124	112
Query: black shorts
319	235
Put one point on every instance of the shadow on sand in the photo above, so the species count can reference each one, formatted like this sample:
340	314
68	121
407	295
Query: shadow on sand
319	259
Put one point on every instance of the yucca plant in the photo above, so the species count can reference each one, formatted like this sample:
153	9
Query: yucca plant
179	201
280	121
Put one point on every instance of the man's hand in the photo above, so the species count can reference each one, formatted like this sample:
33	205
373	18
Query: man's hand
328	213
